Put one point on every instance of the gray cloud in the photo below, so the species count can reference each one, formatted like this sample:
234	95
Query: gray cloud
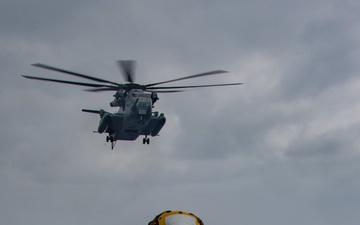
280	149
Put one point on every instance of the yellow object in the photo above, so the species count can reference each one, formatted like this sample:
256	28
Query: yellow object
176	218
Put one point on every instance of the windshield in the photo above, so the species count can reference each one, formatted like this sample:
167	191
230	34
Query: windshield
144	95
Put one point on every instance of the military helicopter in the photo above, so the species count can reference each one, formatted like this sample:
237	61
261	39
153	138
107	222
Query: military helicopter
135	116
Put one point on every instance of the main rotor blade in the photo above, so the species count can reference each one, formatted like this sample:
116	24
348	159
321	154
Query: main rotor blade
67	82
170	91
127	67
73	73
102	89
189	77
113	89
193	86
116	89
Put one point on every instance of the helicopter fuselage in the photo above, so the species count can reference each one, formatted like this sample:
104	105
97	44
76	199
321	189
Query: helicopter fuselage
134	118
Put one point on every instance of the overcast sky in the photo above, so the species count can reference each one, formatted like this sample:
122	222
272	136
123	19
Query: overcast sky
281	149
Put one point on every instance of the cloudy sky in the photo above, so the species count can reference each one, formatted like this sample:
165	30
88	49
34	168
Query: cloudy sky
283	148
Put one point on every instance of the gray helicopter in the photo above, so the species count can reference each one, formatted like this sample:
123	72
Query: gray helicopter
135	116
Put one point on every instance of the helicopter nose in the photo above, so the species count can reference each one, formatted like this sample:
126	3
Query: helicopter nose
143	106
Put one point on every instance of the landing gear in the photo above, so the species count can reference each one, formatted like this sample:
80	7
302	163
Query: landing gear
146	140
111	139
113	144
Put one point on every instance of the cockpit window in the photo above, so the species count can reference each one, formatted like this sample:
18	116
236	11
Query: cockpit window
141	95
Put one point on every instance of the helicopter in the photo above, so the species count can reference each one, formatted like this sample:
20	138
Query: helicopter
135	116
